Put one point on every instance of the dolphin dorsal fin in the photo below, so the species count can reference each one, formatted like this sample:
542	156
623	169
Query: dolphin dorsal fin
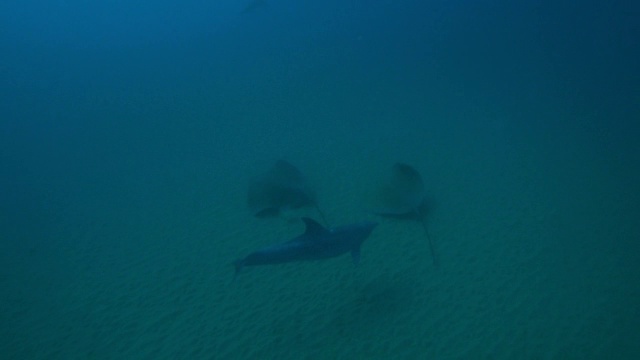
314	227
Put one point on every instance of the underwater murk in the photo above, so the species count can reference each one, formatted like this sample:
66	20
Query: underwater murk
246	179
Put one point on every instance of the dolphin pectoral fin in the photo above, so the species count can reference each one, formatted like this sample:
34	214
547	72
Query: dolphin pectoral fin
355	255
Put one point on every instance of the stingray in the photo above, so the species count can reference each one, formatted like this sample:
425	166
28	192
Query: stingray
283	187
403	196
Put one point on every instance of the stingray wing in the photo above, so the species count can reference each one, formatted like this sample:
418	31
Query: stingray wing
403	195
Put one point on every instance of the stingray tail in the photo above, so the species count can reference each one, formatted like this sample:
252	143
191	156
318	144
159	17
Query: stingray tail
423	222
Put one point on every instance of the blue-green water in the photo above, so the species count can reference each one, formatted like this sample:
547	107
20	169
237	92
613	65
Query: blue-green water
129	132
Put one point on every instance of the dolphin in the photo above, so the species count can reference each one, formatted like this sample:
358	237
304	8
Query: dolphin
317	243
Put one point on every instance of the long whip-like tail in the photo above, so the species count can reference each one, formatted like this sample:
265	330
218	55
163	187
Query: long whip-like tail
423	222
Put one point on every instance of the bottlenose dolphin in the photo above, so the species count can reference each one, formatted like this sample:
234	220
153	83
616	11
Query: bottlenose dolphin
316	243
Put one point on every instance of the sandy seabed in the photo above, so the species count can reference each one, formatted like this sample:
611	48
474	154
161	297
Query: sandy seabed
528	266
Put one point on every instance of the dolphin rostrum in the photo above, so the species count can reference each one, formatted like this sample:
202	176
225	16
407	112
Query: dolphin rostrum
316	243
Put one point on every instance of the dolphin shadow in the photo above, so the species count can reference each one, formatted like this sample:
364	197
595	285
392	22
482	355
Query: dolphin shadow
372	307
